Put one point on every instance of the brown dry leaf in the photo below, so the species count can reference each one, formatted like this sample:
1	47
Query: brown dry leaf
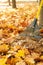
29	60
1	33
4	48
17	59
21	63
26	51
17	47
12	61
41	30
39	63
41	57
35	55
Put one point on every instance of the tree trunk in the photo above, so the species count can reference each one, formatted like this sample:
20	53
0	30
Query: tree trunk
37	0
9	2
14	3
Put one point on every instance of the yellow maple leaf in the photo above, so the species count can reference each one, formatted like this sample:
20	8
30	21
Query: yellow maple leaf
2	61
20	53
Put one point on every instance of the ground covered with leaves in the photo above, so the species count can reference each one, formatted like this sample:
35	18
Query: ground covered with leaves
15	50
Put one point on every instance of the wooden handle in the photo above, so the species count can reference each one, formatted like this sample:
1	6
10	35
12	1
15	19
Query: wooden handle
41	4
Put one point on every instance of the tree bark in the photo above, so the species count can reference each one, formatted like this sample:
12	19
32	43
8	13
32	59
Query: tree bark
37	0
14	3
9	2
